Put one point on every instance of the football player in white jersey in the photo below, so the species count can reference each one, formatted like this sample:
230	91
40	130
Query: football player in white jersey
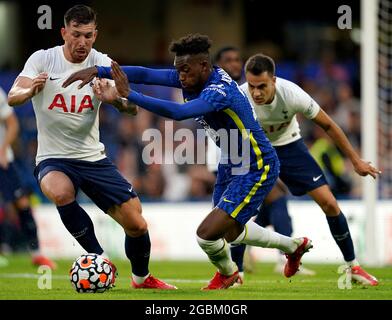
11	189
276	102
70	155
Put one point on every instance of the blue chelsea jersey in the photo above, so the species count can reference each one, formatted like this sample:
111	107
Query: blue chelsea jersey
232	124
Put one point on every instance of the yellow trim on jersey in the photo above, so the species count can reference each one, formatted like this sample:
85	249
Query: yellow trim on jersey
244	134
257	151
252	192
238	122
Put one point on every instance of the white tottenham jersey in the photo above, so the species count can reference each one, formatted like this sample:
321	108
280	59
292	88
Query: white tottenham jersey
67	118
5	112
278	118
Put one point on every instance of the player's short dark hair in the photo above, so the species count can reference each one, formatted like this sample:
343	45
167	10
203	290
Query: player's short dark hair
222	51
260	63
80	14
191	44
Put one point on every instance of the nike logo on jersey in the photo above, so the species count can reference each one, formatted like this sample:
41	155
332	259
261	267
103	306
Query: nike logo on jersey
225	200
51	78
130	189
317	178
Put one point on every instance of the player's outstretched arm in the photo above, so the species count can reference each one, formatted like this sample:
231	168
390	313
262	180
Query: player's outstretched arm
86	75
164	108
169	109
25	88
134	74
363	168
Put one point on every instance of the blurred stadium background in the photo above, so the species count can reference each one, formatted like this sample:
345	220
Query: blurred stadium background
304	39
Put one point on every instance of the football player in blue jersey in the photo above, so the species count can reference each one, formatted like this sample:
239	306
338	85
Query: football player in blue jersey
215	101
274	209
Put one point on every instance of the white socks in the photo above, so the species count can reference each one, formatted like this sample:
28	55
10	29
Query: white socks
139	280
258	236
352	263
218	251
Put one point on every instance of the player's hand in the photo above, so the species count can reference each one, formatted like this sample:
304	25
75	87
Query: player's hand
86	75
3	158
120	79
38	84
104	91
364	168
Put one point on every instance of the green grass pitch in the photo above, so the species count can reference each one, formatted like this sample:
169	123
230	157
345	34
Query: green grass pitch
19	280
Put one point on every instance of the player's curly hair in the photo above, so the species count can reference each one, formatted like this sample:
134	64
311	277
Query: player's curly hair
260	63
80	14
191	44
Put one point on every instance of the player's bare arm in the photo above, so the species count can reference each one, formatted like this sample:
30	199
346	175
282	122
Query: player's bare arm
120	79
363	168
25	88
11	133
85	75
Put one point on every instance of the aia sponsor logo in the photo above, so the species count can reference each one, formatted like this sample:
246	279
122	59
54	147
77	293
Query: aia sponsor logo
73	105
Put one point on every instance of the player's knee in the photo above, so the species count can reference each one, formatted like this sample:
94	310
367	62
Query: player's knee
62	198
330	207
203	232
136	230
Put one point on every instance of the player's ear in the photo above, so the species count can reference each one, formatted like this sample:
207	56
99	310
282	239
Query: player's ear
204	65
95	34
274	79
63	33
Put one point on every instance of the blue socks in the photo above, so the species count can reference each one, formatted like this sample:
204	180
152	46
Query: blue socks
277	215
237	254
79	224
341	233
138	252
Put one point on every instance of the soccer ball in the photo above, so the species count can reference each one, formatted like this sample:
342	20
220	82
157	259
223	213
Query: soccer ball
92	273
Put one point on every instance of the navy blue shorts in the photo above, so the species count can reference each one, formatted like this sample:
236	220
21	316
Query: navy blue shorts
10	185
241	195
298	169
100	180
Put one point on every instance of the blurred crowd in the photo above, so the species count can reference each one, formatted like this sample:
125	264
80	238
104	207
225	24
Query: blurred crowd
332	84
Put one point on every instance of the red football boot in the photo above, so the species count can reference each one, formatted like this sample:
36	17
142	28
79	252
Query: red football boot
361	276
220	281
153	283
41	260
294	259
